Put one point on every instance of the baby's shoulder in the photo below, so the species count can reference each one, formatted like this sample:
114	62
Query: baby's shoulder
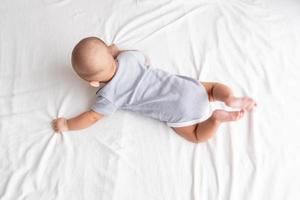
131	55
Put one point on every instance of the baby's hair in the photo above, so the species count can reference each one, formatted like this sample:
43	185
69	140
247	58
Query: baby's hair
80	57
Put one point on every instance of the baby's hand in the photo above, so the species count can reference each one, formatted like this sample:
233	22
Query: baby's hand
60	125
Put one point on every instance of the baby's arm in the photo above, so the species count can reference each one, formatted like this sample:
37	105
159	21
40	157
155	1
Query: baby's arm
82	121
114	50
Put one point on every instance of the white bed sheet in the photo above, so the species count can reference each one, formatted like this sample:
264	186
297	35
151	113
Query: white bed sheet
126	156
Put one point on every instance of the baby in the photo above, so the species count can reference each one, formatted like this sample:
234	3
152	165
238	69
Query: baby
131	84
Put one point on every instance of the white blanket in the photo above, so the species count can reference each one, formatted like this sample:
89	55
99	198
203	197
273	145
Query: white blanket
130	157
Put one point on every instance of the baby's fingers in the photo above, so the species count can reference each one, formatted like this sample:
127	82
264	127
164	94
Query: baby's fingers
55	126
56	130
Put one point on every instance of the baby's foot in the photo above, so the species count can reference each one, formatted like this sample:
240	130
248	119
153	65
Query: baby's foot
243	102
226	116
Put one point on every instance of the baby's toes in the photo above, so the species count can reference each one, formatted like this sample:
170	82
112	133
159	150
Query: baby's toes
235	115
241	114
246	103
251	106
55	128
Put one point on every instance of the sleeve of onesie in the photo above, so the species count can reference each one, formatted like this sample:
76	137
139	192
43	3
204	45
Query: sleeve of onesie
103	106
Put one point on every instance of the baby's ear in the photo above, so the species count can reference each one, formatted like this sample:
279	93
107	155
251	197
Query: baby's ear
94	84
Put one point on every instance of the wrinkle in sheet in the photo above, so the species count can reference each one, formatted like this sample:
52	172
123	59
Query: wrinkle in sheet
158	19
56	2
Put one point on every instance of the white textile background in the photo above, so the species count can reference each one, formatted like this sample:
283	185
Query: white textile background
241	43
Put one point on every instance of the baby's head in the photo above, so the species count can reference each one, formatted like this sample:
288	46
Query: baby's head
92	61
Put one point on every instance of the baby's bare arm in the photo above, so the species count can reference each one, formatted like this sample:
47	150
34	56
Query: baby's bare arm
81	121
114	50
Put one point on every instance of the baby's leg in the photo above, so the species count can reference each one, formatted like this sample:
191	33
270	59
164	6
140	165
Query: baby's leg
221	92
201	132
217	91
206	129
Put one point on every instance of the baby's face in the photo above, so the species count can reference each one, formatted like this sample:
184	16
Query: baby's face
92	61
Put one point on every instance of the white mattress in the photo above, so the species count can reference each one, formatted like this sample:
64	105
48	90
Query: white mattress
126	156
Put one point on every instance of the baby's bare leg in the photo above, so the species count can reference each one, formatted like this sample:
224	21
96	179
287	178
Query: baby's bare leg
199	132
203	131
217	91
209	127
221	92
206	129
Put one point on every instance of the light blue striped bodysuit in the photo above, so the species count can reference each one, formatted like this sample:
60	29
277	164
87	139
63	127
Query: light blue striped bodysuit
174	99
